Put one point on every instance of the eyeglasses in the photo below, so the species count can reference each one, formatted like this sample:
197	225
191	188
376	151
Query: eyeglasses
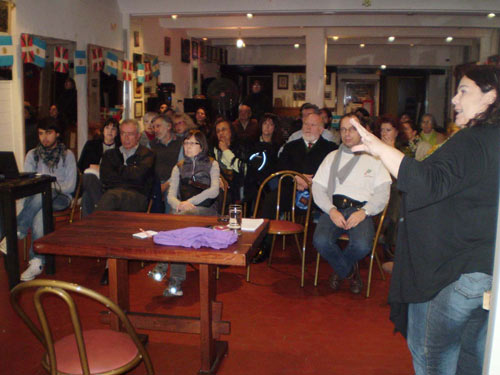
191	143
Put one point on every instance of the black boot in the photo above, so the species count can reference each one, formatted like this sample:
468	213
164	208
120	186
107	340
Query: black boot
105	277
263	252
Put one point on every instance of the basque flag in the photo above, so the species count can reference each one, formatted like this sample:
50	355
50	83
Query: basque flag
156	67
80	62
140	73
111	67
28	55
127	70
147	71
97	60
39	47
61	63
6	53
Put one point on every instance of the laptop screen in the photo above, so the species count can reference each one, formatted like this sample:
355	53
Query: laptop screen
8	165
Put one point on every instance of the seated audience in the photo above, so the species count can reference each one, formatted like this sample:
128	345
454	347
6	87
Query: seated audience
182	124
148	135
163	108
327	117
303	155
231	156
194	188
349	188
202	122
306	110
89	162
413	146
429	133
50	157
247	128
168	152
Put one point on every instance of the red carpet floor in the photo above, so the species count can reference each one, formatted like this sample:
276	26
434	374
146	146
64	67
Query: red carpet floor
276	326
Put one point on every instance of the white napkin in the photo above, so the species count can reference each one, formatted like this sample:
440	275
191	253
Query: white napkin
250	225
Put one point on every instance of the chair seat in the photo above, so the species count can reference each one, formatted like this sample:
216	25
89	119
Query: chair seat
284	227
106	350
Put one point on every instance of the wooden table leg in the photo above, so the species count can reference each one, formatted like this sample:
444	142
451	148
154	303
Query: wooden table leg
8	207
118	287
212	350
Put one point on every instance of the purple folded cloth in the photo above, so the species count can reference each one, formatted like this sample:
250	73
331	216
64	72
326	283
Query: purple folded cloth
196	237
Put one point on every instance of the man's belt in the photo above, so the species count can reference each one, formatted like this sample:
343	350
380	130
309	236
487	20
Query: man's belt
341	201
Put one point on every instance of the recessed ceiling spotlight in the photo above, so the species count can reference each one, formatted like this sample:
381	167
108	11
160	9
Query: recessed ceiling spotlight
240	43
362	45
391	39
174	16
449	39
249	15
204	39
383	66
335	37
491	15
412	45
296	45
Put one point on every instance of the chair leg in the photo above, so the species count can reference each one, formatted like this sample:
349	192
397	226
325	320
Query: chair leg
248	273
217	272
382	273
271	251
298	244
316	274
303	267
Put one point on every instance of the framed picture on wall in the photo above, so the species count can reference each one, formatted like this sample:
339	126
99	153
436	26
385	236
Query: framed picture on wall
282	82
137	39
328	79
194	48
138	109
137	89
185	50
166	46
328	95
299	96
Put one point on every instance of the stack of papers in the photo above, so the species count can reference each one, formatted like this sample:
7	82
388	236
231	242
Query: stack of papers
251	225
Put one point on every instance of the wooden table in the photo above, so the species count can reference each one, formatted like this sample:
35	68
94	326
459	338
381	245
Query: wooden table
109	235
10	191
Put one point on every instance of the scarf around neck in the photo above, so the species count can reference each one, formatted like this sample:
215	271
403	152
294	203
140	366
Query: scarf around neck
50	156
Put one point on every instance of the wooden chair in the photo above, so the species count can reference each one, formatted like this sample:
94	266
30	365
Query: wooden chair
345	237
282	227
225	187
96	351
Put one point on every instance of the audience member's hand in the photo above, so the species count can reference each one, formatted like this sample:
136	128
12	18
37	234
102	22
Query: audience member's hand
371	143
223	146
355	218
337	218
301	184
165	186
94	166
185	206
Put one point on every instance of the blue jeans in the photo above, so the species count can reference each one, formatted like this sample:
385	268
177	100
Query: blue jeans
447	334
360	242
31	217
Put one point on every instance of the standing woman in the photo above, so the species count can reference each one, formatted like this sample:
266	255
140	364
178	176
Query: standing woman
446	239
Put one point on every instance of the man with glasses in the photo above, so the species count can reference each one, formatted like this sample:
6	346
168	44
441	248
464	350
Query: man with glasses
349	188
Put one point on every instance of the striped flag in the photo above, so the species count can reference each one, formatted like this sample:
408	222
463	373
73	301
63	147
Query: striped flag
80	62
6	51
39	48
147	71
127	70
97	60
61	63
140	73
27	53
111	64
156	67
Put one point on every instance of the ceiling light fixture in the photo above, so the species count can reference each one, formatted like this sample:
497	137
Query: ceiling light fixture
335	37
362	45
240	43
383	66
204	39
449	39
412	45
391	39
249	15
174	16
491	15
296	45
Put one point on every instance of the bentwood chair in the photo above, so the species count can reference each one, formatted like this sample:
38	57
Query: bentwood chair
94	351
379	221
286	223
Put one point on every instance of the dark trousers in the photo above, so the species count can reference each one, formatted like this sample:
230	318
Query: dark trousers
119	199
92	192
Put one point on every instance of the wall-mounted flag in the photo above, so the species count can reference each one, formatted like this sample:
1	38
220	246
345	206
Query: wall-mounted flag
61	62
39	47
80	62
97	60
111	64
147	71
156	67
140	73
27	53
6	52
127	70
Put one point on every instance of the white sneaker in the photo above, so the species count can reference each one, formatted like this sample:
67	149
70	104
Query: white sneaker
3	245
35	269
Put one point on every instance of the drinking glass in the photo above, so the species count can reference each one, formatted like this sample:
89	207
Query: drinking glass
235	215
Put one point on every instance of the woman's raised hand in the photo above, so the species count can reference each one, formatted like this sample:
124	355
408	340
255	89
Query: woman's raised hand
370	143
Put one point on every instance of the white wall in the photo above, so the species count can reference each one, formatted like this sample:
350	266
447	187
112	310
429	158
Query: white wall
436	87
90	21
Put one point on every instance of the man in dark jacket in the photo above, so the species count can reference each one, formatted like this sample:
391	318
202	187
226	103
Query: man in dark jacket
127	173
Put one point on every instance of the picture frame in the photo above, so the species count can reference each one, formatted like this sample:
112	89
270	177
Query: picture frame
299	82
194	50
166	46
282	82
195	75
299	96
137	39
137	89
328	79
186	50
328	95
138	109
